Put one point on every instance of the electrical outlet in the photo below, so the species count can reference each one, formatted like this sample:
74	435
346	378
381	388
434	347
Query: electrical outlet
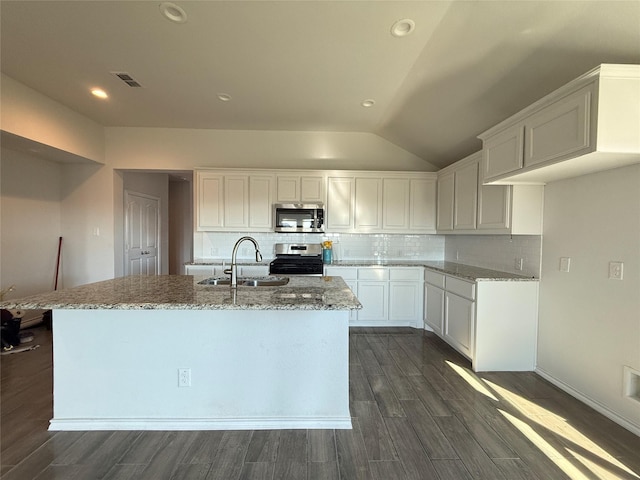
457	255
565	264
518	263
184	377
214	251
615	270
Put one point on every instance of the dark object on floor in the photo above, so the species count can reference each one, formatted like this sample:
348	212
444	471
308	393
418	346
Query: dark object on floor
26	337
47	318
10	330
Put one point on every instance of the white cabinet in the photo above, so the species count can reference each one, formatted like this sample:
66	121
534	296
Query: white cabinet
465	203
390	296
261	202
300	187
434	301
368	204
445	200
467	206
236	201
206	270
209	201
493	323
422	205
340	202
458	195
395	209
233	201
459	315
561	129
406	296
588	125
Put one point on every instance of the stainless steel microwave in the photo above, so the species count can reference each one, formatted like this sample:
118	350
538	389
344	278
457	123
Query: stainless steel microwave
299	217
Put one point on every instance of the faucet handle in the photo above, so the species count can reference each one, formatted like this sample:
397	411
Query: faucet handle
227	271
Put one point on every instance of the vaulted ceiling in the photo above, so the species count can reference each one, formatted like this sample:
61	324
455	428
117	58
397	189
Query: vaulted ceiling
309	65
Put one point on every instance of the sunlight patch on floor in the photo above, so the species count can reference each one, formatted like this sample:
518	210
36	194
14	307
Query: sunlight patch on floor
472	380
544	446
547	419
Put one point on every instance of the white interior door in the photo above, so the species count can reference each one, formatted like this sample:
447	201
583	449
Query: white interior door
142	234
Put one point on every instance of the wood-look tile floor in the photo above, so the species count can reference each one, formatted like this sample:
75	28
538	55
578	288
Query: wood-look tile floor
418	413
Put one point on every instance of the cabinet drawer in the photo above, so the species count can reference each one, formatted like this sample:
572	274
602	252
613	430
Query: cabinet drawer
376	273
405	274
347	273
461	287
434	278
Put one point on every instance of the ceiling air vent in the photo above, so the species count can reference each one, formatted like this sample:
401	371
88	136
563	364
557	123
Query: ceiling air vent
126	78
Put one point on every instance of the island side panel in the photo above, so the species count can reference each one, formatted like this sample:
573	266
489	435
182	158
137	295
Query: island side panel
250	369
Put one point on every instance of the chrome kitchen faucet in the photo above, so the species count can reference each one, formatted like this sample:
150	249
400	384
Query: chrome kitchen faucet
233	271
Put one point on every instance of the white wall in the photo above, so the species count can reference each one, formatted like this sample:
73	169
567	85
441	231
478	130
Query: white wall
180	225
31	115
30	192
590	325
182	149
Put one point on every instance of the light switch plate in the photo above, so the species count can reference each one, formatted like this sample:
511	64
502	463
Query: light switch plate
565	264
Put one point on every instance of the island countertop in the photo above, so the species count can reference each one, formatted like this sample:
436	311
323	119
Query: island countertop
182	292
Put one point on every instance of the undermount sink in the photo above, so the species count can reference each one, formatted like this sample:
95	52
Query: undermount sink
267	281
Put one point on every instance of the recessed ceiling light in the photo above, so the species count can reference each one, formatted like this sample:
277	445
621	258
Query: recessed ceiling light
98	92
173	12
403	27
368	103
224	97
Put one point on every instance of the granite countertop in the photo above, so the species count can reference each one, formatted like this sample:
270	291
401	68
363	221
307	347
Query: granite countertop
182	292
466	272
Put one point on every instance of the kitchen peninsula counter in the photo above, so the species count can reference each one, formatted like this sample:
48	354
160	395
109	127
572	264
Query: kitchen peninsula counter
461	270
182	292
165	353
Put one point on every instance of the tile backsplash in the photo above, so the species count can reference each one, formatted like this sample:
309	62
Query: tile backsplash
208	246
496	252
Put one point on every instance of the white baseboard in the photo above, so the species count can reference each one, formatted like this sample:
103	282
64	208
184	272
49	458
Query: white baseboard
80	424
597	406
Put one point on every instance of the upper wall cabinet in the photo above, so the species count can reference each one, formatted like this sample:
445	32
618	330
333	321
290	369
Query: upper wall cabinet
233	201
381	202
300	187
467	206
589	125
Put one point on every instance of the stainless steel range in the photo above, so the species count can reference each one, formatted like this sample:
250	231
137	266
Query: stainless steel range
297	259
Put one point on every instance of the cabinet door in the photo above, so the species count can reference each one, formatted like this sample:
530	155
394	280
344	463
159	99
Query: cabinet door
422	205
373	297
368	204
494	207
559	130
503	152
236	201
395	204
458	323
434	307
340	200
445	201
261	202
204	270
288	188
465	203
209	201
312	189
405	304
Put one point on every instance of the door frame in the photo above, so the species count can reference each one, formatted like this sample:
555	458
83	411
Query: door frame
125	250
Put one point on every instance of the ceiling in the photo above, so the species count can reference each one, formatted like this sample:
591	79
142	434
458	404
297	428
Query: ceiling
309	65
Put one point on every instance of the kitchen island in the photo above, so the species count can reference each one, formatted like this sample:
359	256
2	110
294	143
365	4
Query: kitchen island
167	353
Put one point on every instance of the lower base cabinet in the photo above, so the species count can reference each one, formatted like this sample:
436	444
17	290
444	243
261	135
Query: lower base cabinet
492	323
390	296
